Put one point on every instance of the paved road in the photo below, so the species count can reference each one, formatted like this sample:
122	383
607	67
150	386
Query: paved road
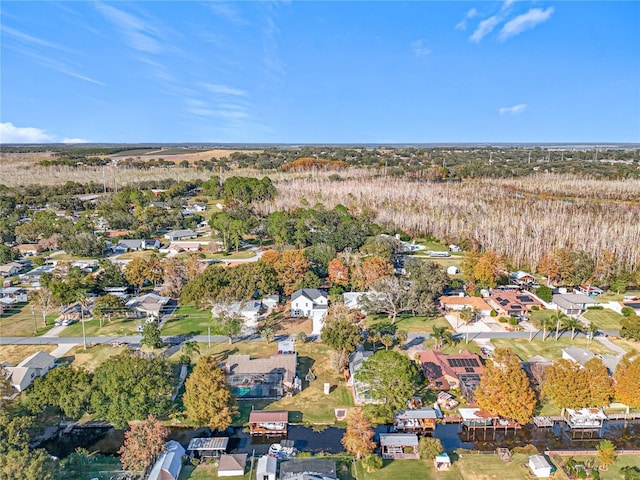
135	339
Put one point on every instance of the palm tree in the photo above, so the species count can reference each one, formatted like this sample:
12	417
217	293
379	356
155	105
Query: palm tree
466	315
438	335
190	347
448	338
573	324
546	323
268	334
592	329
558	318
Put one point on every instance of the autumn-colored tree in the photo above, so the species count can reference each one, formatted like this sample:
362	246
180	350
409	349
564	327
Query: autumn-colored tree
207	398
489	268
142	443
626	380
505	389
271	257
371	270
548	266
567	385
338	272
136	272
358	436
174	276
606	452
600	384
290	269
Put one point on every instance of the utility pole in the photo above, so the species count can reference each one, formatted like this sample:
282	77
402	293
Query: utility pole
209	332
35	325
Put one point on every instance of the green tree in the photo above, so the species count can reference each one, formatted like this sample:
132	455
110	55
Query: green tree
188	349
545	293
151	335
267	333
83	244
227	323
372	462
8	254
429	448
546	323
66	388
207	398
390	377
107	306
341	332
358	435
142	443
438	334
573	324
630	327
129	387
428	281
558	318
505	389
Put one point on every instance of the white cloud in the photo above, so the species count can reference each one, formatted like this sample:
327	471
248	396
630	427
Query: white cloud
484	28
225	90
463	23
9	133
138	33
226	11
31	40
513	110
419	48
526	21
74	140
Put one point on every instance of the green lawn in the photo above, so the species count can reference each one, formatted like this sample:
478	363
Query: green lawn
612	473
205	472
548	348
616	297
18	321
604	319
409	323
187	320
92	357
101	467
472	466
117	327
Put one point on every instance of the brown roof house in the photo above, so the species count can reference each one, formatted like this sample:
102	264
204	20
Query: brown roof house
270	377
232	465
511	303
446	372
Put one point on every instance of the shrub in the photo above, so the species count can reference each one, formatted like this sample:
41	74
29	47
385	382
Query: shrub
429	447
528	449
535	308
627	312
502	320
513	321
544	293
630	473
494	313
595	307
372	462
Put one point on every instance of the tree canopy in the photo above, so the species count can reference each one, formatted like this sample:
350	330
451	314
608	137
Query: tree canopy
568	385
626	380
65	387
504	388
142	443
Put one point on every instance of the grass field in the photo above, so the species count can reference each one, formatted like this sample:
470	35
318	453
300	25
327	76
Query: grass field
409	323
617	297
18	322
205	472
604	319
117	327
548	348
188	320
612	473
14	354
92	357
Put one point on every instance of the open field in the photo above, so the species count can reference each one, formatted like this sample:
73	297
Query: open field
548	348
18	322
604	319
14	354
409	324
92	357
205	472
120	326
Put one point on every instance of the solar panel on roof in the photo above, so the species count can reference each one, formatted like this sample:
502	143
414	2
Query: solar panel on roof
524	299
635	306
504	302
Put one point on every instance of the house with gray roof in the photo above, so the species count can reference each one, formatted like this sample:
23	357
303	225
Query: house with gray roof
176	235
36	365
573	303
311	303
582	356
134	245
308	469
150	304
269	377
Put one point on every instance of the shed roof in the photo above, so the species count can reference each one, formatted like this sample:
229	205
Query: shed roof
170	462
232	462
538	461
267	464
398	439
426	412
214	443
259	416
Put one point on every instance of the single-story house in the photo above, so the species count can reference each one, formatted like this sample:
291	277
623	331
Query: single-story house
539	466
308	469
574	303
177	235
232	465
267	468
36	365
582	356
312	303
446	372
360	389
249	310
270	377
208	447
149	304
399	446
10	269
135	245
268	422
512	303
27	249
17	294
353	300
523	278
169	463
271	301
35	274
457	303
589	290
177	247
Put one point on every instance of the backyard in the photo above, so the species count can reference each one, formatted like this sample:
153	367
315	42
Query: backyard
19	321
612	473
549	348
604	318
410	323
14	354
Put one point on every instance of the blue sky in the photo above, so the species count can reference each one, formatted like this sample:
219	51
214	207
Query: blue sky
320	72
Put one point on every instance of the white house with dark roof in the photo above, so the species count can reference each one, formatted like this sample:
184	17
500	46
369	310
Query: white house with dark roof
177	235
134	245
312	303
10	269
36	365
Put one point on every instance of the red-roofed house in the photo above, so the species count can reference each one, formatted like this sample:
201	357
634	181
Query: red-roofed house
512	303
446	372
460	303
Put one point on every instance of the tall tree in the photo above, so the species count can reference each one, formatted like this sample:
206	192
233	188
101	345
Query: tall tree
489	268
142	443
626	380
558	318
567	385
291	268
109	306
390	377
228	323
606	452
369	271
174	276
341	332
600	384
17	460
573	324
129	387
207	398
388	295
151	335
66	388
45	301
505	389
135	272
358	436
338	272
428	280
